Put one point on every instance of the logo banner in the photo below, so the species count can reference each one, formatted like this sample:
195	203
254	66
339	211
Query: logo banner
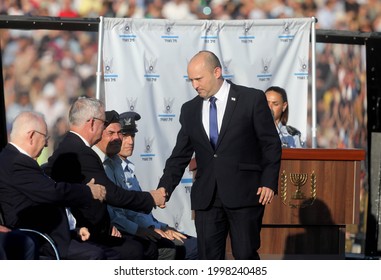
145	70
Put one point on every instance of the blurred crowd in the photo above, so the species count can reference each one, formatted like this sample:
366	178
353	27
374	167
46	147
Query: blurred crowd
354	15
45	70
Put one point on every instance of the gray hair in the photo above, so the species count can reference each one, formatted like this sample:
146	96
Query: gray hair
25	122
84	109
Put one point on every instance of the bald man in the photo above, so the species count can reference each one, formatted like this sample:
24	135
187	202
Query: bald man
230	130
29	198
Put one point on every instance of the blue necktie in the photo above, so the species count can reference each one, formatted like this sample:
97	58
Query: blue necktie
213	127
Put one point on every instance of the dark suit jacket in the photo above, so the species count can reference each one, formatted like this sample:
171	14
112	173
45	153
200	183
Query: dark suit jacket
73	161
29	198
247	154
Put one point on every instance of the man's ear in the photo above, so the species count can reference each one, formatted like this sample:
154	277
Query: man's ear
30	137
218	72
92	122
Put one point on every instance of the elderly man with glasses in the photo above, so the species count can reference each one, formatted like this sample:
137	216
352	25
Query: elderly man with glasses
74	160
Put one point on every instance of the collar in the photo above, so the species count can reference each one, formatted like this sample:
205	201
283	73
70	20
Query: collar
83	139
223	93
20	149
101	154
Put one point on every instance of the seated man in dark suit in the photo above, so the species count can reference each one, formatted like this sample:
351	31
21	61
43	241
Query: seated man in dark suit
76	162
29	198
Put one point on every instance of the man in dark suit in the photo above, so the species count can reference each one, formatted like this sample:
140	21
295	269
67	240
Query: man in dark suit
29	198
74	161
237	173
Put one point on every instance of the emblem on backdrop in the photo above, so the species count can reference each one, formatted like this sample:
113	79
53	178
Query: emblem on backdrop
286	35
127	32
167	110
168	103
150	69
302	73
127	28
247	37
131	103
226	69
265	75
211	31
303	64
148	144
168	28
109	75
147	155
169	36
108	65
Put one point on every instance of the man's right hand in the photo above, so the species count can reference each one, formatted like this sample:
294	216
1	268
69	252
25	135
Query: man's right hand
98	191
159	197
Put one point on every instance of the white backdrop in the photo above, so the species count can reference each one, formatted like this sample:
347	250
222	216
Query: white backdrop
145	70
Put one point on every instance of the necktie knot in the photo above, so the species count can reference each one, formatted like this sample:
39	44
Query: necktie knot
212	100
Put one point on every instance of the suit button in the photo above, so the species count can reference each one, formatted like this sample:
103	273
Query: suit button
215	155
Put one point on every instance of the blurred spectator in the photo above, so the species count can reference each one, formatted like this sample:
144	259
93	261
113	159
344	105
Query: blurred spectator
89	8
309	8
59	130
154	8
50	105
219	10
67	10
107	9
257	10
177	10
22	103
327	14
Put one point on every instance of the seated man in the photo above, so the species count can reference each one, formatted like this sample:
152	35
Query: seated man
75	161
121	171
110	143
30	199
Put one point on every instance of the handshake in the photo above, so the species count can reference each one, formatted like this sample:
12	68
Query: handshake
159	196
99	192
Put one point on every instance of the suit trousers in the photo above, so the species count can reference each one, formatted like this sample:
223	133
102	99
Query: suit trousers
131	248
88	250
243	224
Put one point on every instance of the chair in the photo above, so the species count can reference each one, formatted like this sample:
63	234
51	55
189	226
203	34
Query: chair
45	236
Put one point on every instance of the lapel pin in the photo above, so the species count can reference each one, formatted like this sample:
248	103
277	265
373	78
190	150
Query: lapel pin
233	98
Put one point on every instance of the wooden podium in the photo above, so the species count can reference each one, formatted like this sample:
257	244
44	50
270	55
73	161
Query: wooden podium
318	196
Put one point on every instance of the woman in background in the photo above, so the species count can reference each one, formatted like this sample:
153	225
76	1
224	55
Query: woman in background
277	100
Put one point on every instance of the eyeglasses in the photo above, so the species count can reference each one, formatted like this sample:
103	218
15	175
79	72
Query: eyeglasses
47	137
104	121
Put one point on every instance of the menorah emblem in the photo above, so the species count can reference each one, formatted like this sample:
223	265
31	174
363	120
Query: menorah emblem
298	180
298	199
